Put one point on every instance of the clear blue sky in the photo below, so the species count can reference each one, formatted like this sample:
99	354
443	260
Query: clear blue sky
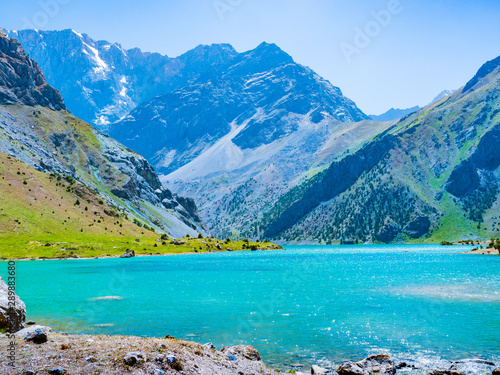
426	46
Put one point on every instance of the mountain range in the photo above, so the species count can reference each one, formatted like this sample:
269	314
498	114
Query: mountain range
269	149
397	113
39	136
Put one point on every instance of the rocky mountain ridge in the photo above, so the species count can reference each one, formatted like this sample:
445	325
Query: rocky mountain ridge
21	79
257	98
101	82
45	136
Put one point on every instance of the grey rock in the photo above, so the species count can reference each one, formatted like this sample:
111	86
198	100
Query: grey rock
38	337
496	371
374	364
448	372
245	351
134	358
316	370
30	322
31	329
128	254
170	359
57	371
12	318
475	361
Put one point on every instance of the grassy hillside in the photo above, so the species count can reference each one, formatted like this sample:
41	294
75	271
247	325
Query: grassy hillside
59	142
44	215
431	177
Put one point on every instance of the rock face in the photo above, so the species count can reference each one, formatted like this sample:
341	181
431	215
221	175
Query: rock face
263	93
21	79
12	318
374	364
388	232
417	227
102	82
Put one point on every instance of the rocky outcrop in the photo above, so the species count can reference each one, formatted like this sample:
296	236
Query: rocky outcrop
467	176
128	254
388	232
375	364
21	79
486	69
417	227
12	309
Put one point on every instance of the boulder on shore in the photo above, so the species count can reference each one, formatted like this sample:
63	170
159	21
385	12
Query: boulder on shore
374	364
13	315
38	337
128	254
447	372
29	330
316	370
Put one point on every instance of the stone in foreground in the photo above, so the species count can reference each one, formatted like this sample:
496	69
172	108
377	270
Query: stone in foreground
245	351
134	358
374	364
447	372
57	371
316	370
38	337
12	318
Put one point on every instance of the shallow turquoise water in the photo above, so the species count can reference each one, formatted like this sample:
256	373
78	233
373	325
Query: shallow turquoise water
306	304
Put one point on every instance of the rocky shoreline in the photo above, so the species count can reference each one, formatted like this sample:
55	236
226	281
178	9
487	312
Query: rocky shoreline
40	350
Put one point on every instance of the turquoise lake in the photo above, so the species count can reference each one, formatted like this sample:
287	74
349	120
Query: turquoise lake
302	305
